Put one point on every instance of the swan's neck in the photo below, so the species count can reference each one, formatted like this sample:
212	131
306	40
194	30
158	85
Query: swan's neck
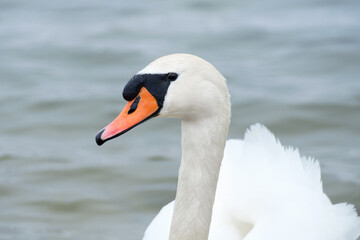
203	143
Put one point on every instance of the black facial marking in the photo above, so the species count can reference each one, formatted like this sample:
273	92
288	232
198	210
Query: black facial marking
134	105
132	88
156	84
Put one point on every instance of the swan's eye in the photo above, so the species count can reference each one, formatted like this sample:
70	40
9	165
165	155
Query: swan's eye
172	76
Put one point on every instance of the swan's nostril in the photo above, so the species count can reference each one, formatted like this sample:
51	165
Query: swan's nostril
134	105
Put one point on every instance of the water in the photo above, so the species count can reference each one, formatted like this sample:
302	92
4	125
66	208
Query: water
293	66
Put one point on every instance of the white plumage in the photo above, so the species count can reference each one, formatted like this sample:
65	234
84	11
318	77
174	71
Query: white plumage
267	191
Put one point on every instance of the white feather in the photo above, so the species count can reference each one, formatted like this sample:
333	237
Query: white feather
267	191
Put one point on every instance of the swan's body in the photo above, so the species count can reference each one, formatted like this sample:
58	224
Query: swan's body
266	191
262	191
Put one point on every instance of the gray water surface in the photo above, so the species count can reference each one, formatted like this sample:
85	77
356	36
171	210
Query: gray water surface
292	65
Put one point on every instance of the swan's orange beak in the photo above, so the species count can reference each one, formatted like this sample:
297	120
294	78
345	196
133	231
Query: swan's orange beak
136	111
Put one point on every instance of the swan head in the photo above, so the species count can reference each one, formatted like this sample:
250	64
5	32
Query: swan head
175	86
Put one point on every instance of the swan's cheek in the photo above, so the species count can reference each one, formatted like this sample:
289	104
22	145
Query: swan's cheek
175	103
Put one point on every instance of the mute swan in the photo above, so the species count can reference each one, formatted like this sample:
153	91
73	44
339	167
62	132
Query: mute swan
263	191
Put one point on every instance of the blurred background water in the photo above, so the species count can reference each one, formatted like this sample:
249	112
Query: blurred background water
292	65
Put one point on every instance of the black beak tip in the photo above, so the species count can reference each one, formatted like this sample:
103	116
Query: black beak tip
98	139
